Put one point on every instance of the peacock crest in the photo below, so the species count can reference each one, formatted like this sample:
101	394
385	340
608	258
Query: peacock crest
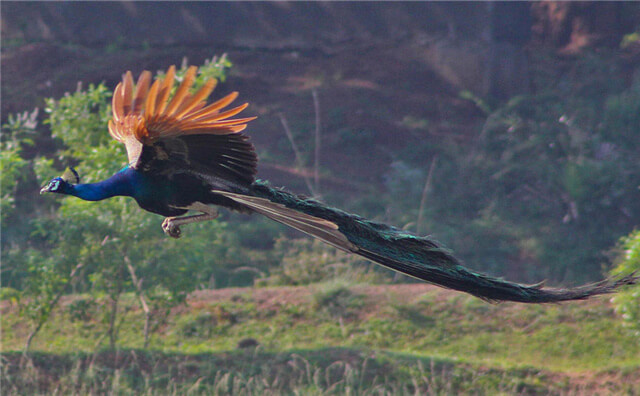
70	176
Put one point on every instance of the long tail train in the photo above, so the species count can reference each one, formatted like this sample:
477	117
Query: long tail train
419	257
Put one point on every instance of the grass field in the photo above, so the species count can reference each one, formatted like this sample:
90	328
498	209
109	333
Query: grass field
328	339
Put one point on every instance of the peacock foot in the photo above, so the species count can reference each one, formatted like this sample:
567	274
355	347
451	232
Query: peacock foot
170	228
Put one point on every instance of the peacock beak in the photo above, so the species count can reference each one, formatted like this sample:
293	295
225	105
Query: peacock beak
47	188
54	186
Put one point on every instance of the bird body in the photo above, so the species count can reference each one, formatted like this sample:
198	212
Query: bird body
187	155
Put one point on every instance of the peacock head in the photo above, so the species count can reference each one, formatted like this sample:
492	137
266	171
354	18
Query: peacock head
62	184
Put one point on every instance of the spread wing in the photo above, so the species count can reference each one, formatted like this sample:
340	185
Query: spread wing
182	132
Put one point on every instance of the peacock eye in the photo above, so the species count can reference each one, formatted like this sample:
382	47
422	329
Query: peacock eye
54	185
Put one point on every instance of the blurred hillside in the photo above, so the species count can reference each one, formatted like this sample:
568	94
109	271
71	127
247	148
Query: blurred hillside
461	41
403	88
509	131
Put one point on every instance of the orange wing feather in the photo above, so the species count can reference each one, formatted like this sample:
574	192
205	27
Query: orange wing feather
144	113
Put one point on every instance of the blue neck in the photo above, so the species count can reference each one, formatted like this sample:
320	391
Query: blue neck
118	184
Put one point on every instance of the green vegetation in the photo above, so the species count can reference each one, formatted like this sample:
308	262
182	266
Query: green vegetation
305	261
628	301
101	249
321	372
371	338
547	184
101	301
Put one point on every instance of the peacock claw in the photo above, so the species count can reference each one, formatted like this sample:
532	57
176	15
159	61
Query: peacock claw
170	228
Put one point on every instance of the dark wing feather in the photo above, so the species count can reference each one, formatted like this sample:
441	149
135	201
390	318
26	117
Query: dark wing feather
231	158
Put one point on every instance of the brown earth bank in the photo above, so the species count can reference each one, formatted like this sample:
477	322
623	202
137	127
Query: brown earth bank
377	298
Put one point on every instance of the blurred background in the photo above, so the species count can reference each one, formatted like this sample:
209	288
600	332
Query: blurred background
508	131
524	113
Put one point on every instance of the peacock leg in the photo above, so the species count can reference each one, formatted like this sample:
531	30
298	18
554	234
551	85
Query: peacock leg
171	225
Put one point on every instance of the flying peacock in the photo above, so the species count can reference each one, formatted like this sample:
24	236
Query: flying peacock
187	155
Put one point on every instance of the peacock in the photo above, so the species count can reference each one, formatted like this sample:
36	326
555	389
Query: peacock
186	155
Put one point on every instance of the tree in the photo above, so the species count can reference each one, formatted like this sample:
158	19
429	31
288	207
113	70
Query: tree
109	247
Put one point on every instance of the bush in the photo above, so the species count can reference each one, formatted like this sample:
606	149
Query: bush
337	300
305	261
627	301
